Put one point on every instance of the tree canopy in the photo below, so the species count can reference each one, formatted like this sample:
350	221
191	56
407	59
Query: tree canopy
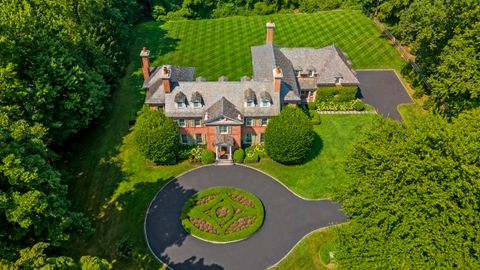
413	197
157	136
289	136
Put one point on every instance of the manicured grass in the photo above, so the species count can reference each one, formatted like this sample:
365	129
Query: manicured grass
410	112
222	46
222	214
316	177
311	253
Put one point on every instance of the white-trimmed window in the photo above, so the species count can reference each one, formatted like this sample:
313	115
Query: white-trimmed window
223	129
182	122
262	138
249	122
248	138
263	122
199	138
250	103
181	104
197	122
312	73
183	138
265	103
197	105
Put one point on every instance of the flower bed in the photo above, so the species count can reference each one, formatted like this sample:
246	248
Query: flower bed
222	214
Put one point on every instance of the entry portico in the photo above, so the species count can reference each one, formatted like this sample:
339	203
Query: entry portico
223	146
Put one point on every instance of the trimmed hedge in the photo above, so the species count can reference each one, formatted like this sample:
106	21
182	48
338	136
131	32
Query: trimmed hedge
205	211
314	117
208	156
354	105
289	136
336	94
156	136
239	155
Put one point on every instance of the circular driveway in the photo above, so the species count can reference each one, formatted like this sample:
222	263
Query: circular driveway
288	218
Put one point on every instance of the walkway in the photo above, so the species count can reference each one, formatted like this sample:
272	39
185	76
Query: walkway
287	219
383	90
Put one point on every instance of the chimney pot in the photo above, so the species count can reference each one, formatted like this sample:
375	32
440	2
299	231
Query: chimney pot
270	31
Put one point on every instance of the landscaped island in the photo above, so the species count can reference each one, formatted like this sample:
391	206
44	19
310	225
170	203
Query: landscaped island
222	214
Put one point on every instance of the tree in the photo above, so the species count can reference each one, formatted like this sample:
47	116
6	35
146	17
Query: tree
289	136
33	204
157	136
413	197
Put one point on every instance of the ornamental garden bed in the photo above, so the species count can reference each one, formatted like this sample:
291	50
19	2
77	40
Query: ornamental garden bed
222	214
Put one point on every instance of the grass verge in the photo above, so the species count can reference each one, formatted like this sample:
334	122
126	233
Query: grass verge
410	112
323	170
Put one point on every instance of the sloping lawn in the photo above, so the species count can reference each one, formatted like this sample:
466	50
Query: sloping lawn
222	46
315	178
108	180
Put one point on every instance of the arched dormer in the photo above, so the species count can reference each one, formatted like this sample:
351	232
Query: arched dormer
265	99
180	100
311	71
250	98
197	100
298	71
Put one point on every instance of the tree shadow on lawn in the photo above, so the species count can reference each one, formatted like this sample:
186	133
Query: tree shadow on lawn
316	149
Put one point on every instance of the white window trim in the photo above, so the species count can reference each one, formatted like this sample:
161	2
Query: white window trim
197	105
228	130
200	123
202	136
260	138
268	103
186	138
249	122
180	105
246	136
250	103
185	122
261	122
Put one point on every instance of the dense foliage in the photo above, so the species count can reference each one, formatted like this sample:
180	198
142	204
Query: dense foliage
33	204
239	155
157	137
413	198
443	35
208	156
289	136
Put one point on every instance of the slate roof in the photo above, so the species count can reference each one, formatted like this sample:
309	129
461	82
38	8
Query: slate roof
156	93
180	97
212	91
223	139
196	97
223	109
328	62
250	95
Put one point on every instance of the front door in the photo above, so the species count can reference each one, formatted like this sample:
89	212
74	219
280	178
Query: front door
223	153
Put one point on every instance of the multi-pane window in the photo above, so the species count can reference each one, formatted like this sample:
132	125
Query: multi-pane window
197	104
182	122
263	121
183	138
199	138
250	103
265	103
197	123
248	138
249	122
223	130
181	105
262	137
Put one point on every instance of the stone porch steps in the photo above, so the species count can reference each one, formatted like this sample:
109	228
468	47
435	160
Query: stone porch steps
222	162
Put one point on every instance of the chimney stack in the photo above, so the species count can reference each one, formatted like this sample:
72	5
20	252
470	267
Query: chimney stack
145	62
277	79
270	30
166	75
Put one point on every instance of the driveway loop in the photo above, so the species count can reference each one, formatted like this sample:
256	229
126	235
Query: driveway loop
287	219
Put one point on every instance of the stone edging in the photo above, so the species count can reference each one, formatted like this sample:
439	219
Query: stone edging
347	112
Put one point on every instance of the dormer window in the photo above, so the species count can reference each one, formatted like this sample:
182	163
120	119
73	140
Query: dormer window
197	100
338	78
250	98
266	99
298	71
311	71
181	100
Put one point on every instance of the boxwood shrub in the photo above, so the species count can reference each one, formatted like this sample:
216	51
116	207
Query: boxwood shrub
314	117
208	156
289	136
239	155
336	94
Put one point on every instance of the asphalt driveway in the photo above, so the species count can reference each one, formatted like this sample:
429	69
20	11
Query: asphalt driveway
287	219
383	90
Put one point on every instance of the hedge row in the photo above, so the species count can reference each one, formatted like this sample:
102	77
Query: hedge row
336	94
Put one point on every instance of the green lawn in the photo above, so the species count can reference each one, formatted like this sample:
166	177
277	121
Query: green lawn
410	112
315	178
222	46
108	180
310	253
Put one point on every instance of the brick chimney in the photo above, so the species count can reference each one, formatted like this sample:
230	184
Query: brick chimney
145	62
277	79
166	75
270	30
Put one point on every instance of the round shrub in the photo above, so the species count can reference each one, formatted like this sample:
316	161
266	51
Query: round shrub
251	157
289	136
222	214
358	105
314	118
208	156
239	155
156	136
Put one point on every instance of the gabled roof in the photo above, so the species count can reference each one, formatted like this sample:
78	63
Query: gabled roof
265	96
180	97
223	109
196	97
250	95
